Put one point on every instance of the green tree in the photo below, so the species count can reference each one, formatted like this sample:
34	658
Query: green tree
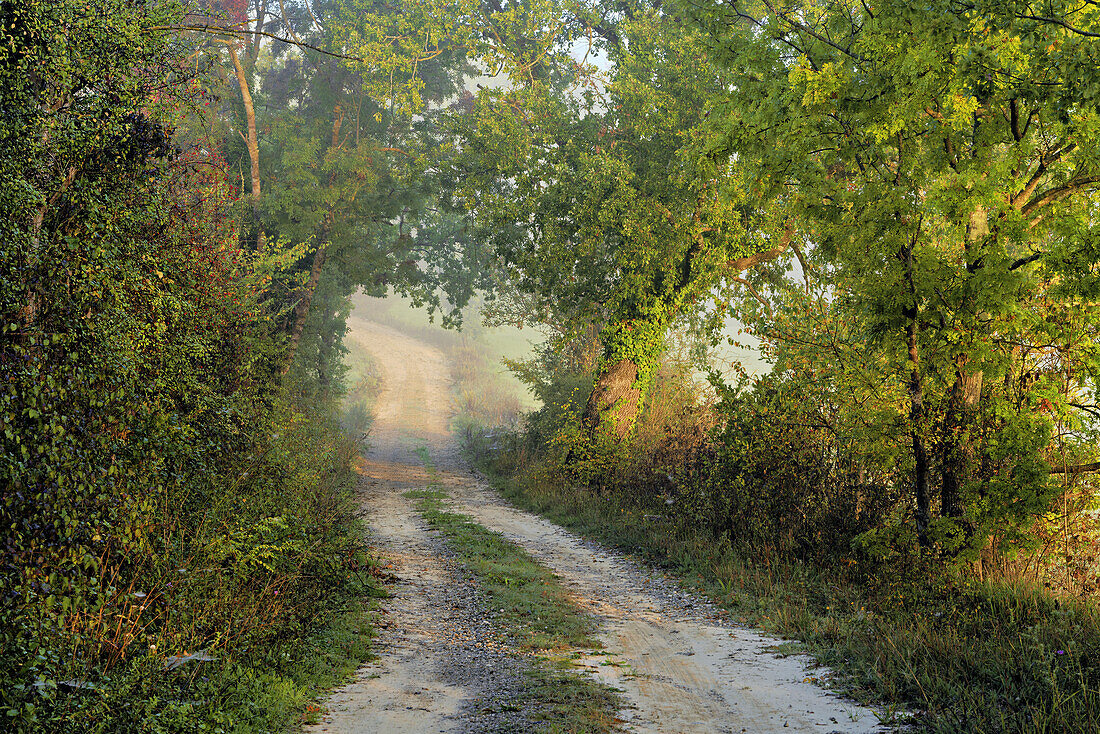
334	120
593	200
942	160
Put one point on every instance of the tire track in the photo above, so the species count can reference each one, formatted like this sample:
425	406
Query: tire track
682	667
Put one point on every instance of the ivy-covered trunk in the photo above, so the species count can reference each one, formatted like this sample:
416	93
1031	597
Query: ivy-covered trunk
917	412
959	454
962	405
615	400
632	349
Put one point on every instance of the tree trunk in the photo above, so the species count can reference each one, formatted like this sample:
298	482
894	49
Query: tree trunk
31	258
958	451
301	309
252	143
327	355
30	308
920	453
258	38
916	403
615	401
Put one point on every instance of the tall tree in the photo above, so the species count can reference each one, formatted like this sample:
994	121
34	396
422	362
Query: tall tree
591	197
332	126
942	159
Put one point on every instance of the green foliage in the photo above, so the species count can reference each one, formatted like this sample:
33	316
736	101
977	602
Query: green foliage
938	167
162	501
593	205
341	145
787	473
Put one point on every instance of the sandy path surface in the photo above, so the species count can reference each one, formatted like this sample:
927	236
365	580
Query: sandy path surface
682	669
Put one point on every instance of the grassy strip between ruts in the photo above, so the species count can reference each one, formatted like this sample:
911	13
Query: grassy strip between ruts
964	656
536	615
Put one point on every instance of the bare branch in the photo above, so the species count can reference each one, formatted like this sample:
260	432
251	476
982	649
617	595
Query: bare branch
289	27
1059	22
224	31
1076	468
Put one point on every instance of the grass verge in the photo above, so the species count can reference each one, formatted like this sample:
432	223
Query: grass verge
535	614
963	656
281	689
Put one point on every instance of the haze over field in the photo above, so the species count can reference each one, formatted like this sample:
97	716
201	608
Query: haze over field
498	343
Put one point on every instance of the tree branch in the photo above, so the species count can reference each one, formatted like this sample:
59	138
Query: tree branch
1056	194
742	264
1059	22
1026	261
1029	188
802	262
222	30
1076	468
755	294
289	27
785	17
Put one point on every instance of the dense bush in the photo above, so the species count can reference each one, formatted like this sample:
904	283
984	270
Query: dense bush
779	476
811	463
170	517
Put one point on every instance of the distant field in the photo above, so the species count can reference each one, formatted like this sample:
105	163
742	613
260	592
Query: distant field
725	355
497	344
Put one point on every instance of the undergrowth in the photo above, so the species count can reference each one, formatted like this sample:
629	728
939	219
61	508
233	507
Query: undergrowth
229	618
364	384
963	656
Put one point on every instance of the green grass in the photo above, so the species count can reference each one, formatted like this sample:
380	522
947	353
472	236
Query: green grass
535	614
962	656
285	686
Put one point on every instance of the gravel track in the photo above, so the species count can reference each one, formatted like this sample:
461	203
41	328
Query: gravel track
444	667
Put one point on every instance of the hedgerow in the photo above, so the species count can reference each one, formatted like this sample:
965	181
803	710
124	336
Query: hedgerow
173	524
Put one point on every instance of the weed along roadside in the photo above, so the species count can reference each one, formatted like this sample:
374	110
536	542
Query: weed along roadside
936	654
908	645
687	667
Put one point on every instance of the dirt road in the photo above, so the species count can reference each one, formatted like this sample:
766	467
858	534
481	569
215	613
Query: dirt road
680	667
